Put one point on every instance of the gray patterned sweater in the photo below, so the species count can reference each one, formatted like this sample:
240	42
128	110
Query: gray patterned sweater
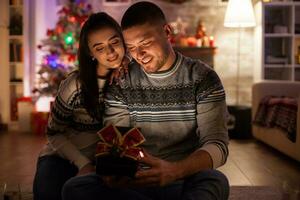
71	131
179	111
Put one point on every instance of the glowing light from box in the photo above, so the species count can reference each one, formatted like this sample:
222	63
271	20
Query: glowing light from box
43	104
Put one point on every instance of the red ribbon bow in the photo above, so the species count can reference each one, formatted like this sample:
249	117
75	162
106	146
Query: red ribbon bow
114	143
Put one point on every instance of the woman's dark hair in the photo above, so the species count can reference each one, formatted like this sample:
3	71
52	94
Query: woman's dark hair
88	65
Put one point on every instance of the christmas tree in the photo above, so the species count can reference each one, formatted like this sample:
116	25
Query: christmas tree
60	47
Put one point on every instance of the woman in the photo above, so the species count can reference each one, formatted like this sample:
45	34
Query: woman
77	112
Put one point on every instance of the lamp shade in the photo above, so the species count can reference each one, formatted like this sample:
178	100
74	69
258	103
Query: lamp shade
239	13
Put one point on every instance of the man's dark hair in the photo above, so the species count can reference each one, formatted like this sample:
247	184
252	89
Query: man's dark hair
141	13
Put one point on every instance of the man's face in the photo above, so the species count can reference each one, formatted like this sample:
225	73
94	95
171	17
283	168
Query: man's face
149	46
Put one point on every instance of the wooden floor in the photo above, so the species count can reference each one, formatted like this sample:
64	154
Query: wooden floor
249	163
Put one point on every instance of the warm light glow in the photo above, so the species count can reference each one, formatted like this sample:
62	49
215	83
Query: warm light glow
141	154
239	13
43	104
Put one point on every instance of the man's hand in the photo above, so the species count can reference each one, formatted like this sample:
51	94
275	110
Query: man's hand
88	168
161	172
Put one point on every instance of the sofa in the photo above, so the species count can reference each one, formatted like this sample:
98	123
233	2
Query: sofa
274	136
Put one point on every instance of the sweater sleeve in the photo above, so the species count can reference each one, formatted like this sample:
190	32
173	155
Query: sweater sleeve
68	150
211	119
60	119
116	110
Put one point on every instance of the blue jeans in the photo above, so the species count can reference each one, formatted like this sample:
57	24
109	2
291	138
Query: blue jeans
205	185
51	174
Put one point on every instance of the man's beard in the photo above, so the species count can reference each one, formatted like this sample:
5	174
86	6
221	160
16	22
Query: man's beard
161	61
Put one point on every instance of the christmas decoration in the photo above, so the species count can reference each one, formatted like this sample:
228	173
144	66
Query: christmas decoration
39	122
200	30
179	28
117	153
60	47
180	37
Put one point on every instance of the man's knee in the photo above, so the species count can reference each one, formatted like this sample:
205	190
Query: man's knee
209	181
210	176
75	187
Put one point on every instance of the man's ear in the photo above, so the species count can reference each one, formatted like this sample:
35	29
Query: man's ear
168	30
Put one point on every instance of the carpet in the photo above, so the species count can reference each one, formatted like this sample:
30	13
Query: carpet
236	193
258	193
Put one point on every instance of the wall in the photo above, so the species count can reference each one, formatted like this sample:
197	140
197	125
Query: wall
212	13
4	61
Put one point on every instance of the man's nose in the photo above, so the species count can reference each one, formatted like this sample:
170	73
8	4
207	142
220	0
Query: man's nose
140	53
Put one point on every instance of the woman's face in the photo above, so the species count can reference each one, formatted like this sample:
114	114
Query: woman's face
107	47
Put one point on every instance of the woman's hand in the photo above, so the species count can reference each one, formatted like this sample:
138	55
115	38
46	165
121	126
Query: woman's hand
119	73
88	168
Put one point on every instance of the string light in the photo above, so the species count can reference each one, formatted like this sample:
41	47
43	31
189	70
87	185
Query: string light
69	39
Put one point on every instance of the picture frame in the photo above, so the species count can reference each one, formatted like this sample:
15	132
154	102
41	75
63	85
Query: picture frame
116	2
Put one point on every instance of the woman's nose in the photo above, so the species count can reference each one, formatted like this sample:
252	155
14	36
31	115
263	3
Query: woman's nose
110	49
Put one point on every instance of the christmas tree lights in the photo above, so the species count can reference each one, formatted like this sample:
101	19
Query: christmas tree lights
60	48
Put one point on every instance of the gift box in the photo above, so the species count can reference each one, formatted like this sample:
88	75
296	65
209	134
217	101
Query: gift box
118	151
25	108
39	121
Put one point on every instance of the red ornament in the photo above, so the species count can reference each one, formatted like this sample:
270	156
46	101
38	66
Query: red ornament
192	41
50	32
71	58
59	29
64	10
72	19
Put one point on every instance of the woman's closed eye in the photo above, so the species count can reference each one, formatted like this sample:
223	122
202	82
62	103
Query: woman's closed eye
115	41
100	49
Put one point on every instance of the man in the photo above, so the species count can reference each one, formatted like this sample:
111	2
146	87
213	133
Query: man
179	105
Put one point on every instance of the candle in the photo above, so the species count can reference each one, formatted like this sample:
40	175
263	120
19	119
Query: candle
211	41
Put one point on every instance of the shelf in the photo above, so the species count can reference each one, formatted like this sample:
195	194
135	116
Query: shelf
16	57
297	73
297	21
278	18
297	66
278	73
278	35
270	4
16	37
278	66
16	63
20	6
16	82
